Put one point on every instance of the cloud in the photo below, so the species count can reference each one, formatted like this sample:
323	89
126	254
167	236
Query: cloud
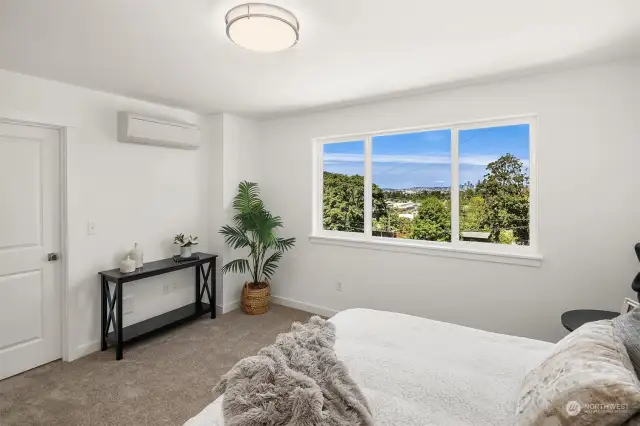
343	158
470	160
412	159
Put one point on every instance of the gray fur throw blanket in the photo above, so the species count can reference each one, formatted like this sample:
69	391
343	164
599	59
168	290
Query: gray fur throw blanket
297	381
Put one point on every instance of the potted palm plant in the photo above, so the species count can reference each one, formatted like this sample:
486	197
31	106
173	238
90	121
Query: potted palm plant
254	230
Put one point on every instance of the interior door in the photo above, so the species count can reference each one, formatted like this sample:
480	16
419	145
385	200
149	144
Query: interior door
30	324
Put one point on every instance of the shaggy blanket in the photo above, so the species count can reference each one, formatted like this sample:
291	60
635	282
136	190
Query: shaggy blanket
297	381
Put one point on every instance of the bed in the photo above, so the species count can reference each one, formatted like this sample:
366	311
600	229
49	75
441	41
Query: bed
418	372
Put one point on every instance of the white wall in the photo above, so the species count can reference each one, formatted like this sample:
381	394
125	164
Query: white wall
589	202
234	158
135	193
241	162
212	132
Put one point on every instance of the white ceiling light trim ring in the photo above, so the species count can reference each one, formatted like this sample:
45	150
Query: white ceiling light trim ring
262	27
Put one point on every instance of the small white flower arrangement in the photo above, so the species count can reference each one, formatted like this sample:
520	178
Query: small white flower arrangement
185	241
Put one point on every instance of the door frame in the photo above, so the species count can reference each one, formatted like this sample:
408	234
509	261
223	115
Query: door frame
65	133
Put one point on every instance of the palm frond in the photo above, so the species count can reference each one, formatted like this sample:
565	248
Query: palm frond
246	221
266	236
235	237
248	198
254	220
275	221
269	266
284	244
238	266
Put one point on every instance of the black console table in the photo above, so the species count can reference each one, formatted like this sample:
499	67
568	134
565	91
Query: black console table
112	302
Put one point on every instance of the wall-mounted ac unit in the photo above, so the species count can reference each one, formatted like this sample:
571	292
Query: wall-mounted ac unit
134	128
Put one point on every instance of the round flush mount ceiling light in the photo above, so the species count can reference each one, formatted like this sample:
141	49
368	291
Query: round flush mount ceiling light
262	27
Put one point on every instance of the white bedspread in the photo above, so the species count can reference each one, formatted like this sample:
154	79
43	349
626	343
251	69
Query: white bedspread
419	372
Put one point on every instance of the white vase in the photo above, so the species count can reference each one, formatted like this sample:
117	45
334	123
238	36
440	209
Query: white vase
185	251
137	256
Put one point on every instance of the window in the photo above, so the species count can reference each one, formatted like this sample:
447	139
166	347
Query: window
494	192
411	191
343	187
467	186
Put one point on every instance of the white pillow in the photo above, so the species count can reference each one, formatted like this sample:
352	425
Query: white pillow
587	380
627	329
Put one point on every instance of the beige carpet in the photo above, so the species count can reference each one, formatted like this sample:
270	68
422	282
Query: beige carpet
162	380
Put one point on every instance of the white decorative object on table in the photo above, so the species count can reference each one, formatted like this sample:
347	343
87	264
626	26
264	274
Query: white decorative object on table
127	265
137	255
185	251
185	244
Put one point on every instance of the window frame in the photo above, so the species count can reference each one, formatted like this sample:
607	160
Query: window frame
526	255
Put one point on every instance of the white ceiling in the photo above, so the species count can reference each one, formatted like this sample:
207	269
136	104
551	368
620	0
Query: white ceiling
176	52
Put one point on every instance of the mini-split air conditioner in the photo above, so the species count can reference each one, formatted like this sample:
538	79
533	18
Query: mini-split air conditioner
134	128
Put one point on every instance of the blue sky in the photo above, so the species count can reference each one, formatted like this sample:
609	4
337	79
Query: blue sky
424	159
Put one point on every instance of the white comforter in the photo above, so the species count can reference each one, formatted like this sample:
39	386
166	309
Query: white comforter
419	372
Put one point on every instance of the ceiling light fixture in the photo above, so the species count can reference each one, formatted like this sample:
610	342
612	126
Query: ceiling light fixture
262	27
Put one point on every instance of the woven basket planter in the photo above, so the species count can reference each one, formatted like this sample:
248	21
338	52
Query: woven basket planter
255	298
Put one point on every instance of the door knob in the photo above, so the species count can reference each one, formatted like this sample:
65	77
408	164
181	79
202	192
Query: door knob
52	257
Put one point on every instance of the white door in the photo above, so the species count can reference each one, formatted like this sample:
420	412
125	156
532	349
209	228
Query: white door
30	325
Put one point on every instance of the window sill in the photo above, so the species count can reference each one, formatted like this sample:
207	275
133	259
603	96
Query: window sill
523	259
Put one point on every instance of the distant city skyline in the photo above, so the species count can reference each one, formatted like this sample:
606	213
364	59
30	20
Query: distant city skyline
423	159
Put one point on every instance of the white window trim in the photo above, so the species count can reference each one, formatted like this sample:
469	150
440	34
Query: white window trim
519	255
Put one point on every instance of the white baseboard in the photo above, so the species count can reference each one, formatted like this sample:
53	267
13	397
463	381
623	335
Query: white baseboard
224	309
84	350
307	307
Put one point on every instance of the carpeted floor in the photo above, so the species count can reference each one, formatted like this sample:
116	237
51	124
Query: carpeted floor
162	380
